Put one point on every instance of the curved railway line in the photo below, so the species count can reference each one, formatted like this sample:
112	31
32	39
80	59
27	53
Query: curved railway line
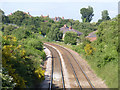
57	78
77	77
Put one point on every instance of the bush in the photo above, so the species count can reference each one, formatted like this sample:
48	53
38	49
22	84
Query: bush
89	49
19	64
37	44
70	38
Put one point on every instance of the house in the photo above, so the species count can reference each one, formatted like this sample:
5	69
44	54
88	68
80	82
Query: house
44	16
65	29
62	17
56	19
92	36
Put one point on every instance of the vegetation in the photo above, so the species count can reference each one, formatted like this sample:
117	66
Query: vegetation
20	64
22	55
105	16
70	38
54	33
102	54
87	14
22	46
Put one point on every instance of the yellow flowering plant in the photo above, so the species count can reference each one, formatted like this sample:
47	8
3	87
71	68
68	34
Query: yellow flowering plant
89	49
20	66
10	51
40	73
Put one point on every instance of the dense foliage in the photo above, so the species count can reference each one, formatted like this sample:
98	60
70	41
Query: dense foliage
22	55
102	54
70	38
87	14
54	33
23	50
105	16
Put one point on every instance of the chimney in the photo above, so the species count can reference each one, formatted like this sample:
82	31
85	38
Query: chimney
65	25
70	27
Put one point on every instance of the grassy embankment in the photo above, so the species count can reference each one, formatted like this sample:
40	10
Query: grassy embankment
102	54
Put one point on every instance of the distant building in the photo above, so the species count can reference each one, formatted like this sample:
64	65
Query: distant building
92	36
56	19
65	29
44	16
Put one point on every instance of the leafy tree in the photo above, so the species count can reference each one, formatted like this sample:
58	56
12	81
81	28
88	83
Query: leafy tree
85	27
54	33
44	28
18	17
21	33
8	29
87	14
70	38
99	21
3	18
105	15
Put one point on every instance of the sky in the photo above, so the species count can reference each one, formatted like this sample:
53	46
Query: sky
70	9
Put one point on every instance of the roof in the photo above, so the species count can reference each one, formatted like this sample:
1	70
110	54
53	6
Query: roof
92	36
56	18
66	29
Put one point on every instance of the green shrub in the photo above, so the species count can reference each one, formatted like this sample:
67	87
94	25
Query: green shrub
37	44
70	38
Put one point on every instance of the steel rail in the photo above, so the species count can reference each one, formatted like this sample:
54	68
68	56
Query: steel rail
53	67
74	73
62	75
80	68
50	86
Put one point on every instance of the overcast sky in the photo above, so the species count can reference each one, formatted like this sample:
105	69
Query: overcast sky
67	8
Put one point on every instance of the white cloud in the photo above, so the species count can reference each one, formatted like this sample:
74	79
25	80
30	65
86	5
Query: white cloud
59	0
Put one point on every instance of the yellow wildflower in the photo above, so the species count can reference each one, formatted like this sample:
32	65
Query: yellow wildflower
5	37
18	47
4	47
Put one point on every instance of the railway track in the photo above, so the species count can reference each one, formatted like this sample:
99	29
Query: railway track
57	78
75	69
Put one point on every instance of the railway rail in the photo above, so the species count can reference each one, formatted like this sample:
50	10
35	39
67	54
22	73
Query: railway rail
76	68
56	70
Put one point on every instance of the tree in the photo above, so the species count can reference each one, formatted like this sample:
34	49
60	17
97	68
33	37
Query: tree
44	28
3	18
54	33
70	38
87	14
18	17
105	15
